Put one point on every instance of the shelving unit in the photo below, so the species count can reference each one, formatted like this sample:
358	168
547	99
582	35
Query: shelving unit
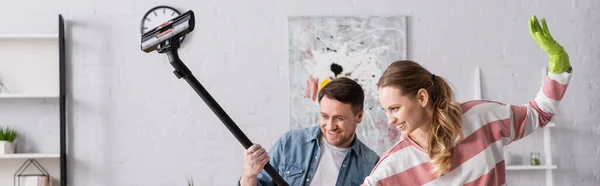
531	167
33	67
548	166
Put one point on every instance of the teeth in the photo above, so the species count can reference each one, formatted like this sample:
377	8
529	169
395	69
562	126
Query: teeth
401	125
332	132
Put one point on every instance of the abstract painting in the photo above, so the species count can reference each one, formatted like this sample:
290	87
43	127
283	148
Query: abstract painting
360	48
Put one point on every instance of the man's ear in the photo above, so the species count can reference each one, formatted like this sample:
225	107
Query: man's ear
360	116
423	97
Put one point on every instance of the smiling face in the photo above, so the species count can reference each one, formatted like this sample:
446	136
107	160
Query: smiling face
338	122
405	112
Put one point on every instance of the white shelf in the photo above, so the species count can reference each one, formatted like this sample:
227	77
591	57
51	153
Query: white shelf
30	156
530	167
20	96
28	36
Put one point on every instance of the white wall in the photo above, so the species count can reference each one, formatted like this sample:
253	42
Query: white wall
135	123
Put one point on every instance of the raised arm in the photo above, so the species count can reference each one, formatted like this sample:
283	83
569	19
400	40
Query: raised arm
539	112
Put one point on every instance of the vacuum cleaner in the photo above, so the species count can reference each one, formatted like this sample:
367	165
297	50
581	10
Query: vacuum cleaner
165	39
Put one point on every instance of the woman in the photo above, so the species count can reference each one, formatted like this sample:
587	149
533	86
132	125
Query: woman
445	143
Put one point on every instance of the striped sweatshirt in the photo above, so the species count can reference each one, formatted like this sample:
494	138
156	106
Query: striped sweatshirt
488	126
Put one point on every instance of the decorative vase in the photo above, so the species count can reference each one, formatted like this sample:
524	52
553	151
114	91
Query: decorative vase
7	147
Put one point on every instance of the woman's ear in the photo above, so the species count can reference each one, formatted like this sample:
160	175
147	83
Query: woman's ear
423	97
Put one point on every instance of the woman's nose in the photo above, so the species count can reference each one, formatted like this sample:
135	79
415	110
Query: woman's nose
391	120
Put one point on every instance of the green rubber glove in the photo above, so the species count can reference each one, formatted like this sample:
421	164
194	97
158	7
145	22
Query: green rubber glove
558	57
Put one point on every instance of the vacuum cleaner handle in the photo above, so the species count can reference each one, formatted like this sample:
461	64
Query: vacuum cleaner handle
166	39
230	124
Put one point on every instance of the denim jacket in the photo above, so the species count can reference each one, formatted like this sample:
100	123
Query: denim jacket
296	153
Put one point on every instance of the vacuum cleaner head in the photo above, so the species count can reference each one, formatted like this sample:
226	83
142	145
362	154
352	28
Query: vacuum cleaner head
174	28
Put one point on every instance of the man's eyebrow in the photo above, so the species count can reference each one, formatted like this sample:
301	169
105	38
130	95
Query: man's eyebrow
322	113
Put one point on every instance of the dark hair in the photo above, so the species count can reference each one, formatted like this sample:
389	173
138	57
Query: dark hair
446	123
344	90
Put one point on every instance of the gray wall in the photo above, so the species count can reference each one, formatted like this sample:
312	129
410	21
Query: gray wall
134	123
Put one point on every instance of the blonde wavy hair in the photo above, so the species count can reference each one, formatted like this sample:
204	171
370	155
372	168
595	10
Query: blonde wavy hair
446	124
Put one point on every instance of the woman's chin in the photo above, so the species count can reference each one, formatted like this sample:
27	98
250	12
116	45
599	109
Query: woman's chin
405	130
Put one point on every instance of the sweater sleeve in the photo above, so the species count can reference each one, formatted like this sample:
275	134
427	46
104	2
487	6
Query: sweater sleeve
537	113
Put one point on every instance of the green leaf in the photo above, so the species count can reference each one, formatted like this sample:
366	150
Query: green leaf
190	182
8	134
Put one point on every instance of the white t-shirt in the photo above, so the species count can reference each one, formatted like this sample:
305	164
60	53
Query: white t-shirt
329	164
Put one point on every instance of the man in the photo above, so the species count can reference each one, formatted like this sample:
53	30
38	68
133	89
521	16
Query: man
327	154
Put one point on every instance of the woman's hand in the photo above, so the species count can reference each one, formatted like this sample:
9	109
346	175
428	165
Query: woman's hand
558	57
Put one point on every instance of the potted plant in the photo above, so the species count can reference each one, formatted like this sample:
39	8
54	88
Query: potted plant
7	140
190	182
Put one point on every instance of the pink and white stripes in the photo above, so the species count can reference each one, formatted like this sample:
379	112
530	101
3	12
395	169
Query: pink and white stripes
488	127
